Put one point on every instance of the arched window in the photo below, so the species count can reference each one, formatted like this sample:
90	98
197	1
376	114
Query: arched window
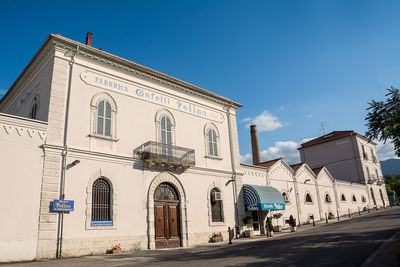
285	197
343	197
165	191
363	199
212	143
166	135
308	198
216	205
104	118
328	198
34	108
101	200
354	198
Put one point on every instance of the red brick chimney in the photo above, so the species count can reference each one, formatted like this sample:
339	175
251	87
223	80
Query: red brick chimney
255	146
89	39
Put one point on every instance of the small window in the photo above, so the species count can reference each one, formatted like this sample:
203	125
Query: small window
285	197
343	197
328	198
34	108
363	199
212	143
308	198
104	118
101	201
354	198
165	130
216	205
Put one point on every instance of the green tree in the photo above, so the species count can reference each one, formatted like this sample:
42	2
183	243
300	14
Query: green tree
393	183
384	119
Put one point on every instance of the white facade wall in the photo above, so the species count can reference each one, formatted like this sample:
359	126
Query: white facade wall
349	190
21	160
326	187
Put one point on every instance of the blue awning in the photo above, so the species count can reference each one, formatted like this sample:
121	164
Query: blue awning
262	198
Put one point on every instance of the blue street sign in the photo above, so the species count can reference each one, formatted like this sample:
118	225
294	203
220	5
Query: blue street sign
63	205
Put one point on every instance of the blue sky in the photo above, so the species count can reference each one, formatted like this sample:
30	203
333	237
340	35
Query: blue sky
292	64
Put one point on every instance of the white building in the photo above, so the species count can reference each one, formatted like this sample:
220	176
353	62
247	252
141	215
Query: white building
150	161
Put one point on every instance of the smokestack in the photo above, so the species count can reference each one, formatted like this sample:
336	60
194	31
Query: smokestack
255	146
89	39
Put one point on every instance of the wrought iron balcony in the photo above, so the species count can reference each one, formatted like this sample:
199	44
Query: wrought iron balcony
380	181
157	155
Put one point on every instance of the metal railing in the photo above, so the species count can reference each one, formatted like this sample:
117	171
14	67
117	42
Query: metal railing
162	153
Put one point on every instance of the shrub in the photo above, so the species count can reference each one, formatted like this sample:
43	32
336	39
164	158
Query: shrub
269	223
292	221
248	220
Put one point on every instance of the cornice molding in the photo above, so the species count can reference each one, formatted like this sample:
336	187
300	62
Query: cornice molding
139	70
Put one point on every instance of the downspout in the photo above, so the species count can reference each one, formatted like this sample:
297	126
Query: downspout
64	160
233	165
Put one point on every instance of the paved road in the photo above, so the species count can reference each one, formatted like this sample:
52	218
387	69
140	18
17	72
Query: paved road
348	243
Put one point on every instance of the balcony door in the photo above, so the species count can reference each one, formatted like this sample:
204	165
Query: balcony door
166	136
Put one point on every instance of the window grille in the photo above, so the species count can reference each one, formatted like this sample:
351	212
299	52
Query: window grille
216	207
33	113
101	200
308	198
165	191
364	199
212	143
104	118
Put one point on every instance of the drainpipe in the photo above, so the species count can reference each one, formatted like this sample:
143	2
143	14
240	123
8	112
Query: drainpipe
233	165
64	161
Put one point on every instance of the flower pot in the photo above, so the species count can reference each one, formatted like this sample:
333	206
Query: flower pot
278	228
117	250
248	233
215	239
293	228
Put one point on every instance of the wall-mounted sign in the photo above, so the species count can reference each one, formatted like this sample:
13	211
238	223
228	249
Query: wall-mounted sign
101	223
63	205
150	96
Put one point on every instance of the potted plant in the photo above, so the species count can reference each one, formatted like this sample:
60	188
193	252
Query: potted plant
270	227
248	221
331	216
276	216
217	237
292	222
114	249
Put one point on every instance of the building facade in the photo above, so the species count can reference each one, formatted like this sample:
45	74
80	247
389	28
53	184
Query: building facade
148	160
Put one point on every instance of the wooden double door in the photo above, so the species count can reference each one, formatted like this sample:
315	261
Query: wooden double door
166	216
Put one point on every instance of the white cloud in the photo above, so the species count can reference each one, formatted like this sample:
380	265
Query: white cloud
385	151
265	122
309	116
281	149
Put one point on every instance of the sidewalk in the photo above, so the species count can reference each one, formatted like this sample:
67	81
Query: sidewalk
304	227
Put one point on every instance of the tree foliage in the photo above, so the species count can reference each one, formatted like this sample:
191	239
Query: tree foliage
384	119
393	184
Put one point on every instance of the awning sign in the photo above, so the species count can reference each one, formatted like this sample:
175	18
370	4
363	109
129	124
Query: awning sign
265	206
63	205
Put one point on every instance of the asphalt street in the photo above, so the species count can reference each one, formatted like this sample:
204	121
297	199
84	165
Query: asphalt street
361	241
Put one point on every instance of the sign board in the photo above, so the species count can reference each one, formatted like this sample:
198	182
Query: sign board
265	206
101	223
63	205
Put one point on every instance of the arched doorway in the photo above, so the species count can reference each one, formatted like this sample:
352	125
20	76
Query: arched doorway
383	200
166	216
373	196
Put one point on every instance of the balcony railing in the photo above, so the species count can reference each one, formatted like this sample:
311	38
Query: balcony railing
380	181
372	179
157	155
